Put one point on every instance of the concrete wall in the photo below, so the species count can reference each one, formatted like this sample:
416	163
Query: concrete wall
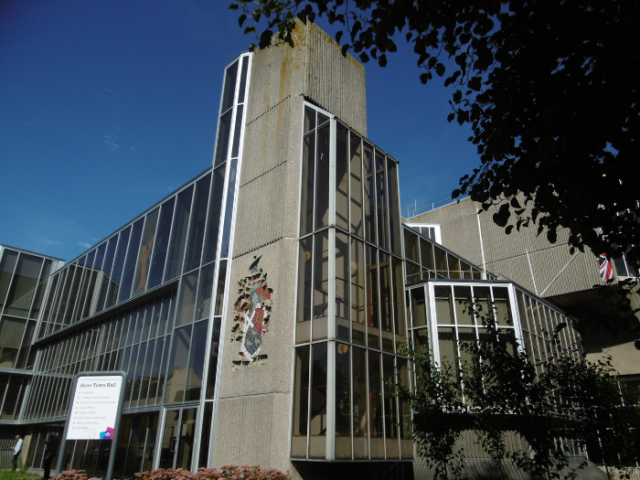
252	422
544	268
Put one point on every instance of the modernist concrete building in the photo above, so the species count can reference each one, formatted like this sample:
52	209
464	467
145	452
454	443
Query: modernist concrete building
549	270
257	310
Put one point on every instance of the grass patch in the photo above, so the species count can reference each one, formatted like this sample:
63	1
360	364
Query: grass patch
16	475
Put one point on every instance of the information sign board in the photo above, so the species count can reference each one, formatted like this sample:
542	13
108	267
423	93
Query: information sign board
95	408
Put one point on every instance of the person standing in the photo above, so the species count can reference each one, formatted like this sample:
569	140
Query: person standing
50	451
17	448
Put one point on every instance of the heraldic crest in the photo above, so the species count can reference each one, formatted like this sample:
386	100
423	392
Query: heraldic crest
251	316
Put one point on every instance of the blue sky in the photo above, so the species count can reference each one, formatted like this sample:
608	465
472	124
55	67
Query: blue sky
108	106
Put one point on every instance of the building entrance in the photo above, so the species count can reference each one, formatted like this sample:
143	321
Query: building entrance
178	438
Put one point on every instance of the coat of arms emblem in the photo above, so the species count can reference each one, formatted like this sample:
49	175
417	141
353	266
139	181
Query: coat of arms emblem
251	316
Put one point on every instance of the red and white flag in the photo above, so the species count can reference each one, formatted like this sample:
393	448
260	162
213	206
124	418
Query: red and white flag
606	269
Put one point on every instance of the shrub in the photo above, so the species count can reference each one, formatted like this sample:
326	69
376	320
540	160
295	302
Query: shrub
244	472
73	475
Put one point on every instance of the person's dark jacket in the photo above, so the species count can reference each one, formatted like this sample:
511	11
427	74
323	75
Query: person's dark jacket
52	445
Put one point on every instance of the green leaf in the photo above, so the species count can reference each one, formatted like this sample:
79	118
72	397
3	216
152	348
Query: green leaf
241	19
249	29
364	58
456	193
450	119
233	7
440	69
339	34
382	61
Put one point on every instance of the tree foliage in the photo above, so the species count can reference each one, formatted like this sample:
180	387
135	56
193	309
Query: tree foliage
499	390
549	89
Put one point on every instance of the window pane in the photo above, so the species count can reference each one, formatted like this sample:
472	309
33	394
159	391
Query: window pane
356	186
373	318
243	83
322	178
213	220
24	348
358	299
398	302
196	361
186	299
146	246
343	401
118	263
309	119
406	445
303	316
441	262
448	349
483	308
375	406
342	178
213	358
394	207
503	308
130	262
105	280
342	286
222	140
454	266
411	246
426	251
300	403
161	243
390	408
226	232
23	285
360	402
381	201
318	414
229	87
237	130
386	319
369	195
222	279
205	290
11	330
157	378
308	175
321	284
177	371
464	312
444	313
418	306
7	266
179	234
198	221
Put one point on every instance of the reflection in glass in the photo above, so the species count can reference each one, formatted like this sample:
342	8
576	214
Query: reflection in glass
224	133
213	358
213	221
177	368
229	87
386	319
179	234
196	228
144	257
7	265
226	232
444	312
342	286
186	299
503	309
395	224
322	178
318	413
205	290
463	306
342	177
373	318
130	262
23	285
369	195
343	401
360	403
390	408
236	132
105	281
196	361
118	263
300	403
381	200
358	300
418	306
308	175
356	186
303	315
375	406
320	285
161	243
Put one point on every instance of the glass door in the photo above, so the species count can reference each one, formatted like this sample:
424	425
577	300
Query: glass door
178	438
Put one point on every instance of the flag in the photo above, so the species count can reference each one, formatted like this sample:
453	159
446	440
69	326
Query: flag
606	269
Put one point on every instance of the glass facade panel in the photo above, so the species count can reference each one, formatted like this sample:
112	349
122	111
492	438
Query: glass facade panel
318	402
118	264
342	178
179	233
322	178
161	244
305	290
320	285
358	293
7	266
357	226
177	367
213	221
308	182
342	301
343	401
144	256
198	223
23	285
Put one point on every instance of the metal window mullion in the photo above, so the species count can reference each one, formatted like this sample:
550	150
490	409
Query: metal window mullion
41	316
57	301
93	307
517	323
124	260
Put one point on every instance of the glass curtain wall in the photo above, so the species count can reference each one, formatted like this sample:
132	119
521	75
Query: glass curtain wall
426	259
441	319
350	317
23	281
168	342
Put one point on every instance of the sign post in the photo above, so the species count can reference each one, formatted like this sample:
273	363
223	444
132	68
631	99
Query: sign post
94	411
